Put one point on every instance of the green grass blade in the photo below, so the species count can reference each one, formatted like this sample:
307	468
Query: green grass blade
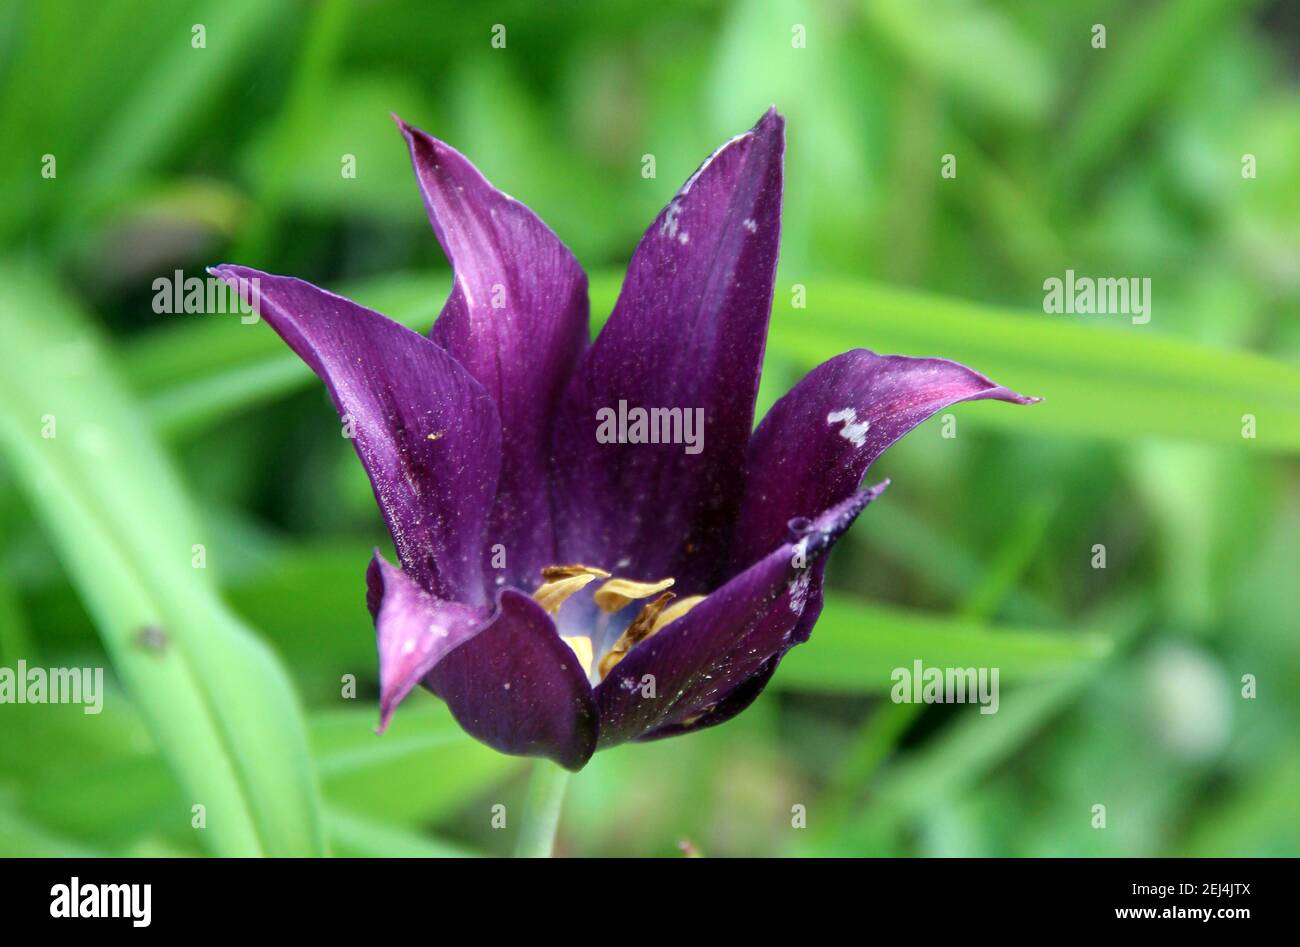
217	702
22	838
856	646
1144	65
152	119
355	836
422	769
1099	381
974	50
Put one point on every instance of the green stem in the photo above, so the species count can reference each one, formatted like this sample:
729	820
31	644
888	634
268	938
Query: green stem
542	808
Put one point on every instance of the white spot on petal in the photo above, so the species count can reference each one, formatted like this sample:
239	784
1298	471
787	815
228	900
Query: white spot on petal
852	430
669	225
799	588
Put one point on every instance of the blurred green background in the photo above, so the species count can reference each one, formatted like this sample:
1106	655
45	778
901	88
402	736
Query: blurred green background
1121	686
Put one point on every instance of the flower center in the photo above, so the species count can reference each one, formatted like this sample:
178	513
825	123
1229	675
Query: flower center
613	595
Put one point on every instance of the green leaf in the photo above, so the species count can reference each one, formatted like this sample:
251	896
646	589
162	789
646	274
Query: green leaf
968	748
378	788
973	49
178	77
1259	817
354	836
216	701
1098	381
111	91
133	795
856	646
423	768
21	837
1147	63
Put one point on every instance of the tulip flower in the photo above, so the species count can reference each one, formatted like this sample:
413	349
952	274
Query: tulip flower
594	543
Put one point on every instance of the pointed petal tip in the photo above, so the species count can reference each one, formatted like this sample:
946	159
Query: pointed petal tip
1003	393
243	279
863	497
770	128
389	700
771	120
411	133
415	136
439	167
828	527
232	272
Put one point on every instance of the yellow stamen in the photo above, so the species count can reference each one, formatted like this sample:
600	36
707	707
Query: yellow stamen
616	593
642	627
563	581
675	611
581	646
564	572
560	582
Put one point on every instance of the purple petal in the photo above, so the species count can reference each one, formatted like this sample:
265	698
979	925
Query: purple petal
517	321
426	432
712	661
519	688
414	631
687	333
813	448
746	692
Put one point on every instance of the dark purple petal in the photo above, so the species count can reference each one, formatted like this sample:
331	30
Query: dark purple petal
414	631
519	688
732	637
732	705
813	448
745	693
426	432
687	333
517	321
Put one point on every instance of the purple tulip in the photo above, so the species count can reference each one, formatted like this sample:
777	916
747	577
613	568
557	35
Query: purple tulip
596	545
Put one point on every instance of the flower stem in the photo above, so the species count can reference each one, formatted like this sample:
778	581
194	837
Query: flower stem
542	807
